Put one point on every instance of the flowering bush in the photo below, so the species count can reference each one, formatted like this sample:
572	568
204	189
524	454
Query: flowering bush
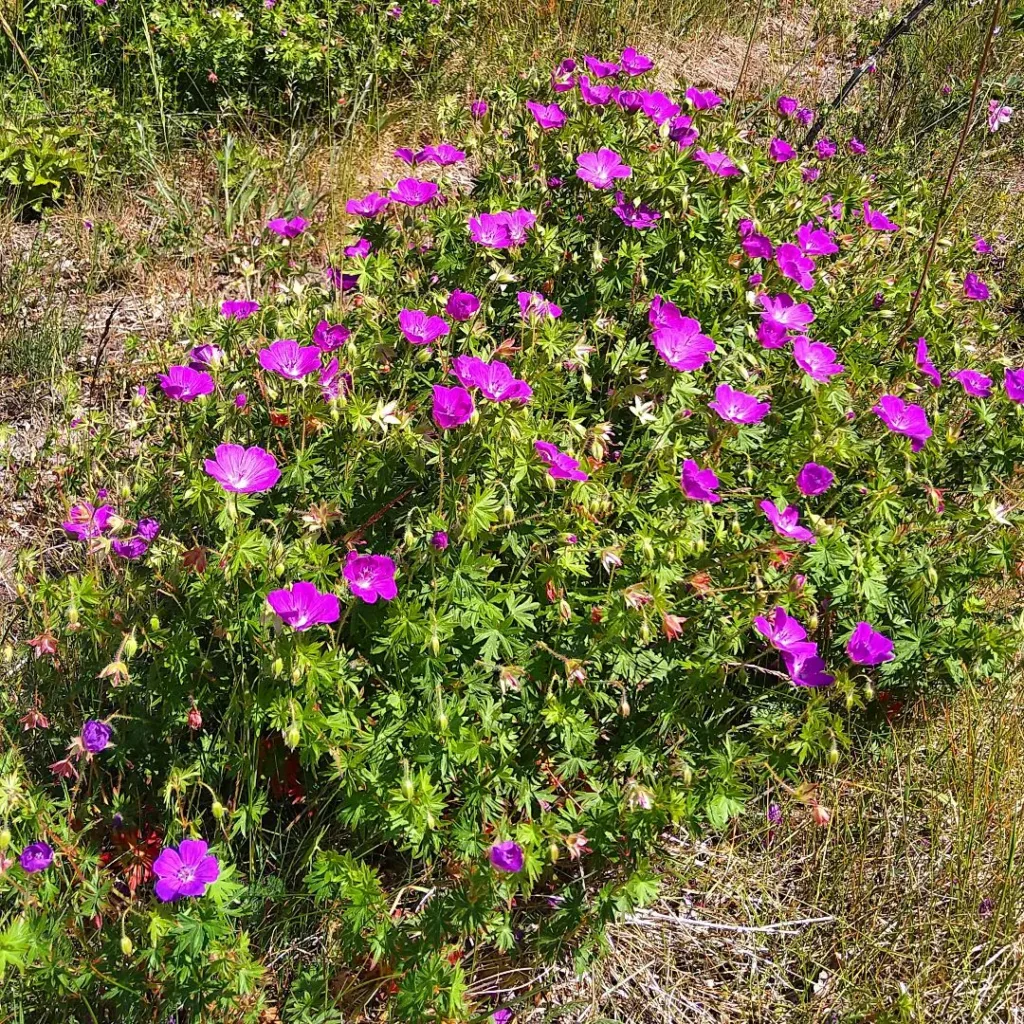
597	480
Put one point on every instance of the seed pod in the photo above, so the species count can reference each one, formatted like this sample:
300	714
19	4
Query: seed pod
278	666
833	755
554	852
508	513
73	616
126	945
292	737
5	838
131	645
217	809
154	622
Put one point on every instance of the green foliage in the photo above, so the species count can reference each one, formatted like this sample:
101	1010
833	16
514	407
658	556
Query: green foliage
40	163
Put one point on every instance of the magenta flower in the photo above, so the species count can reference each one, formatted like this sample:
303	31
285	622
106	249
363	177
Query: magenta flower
518	222
980	245
876	220
602	168
507	856
86	521
134	547
478	109
413	192
786	105
814	479
867	646
596	95
302	606
287	228
406	155
359	250
184	384
494	380
815	241
421	329
533	305
148	529
562	77
548	116
334	382
809	174
737	406
635	214
805	666
1014	383
758	247
601	68
904	418
805	116
816	359
635	63
787	522
35	857
560	466
782	631
856	147
782	315
238	309
998	115
443	155
794	265
327	336
825	148
370	577
925	365
490	230
682	345
975	289
452	406
288	359
664	313
699	484
343	282
461	305
717	163
682	132
243	470
974	383
658	107
95	736
186	871
439	540
369	206
706	99
779	150
202	357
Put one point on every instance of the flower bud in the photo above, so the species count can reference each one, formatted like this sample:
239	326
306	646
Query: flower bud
154	622
278	666
624	708
131	645
296	673
73	616
21	589
869	692
554	852
687	775
292	737
550	481
735	526
279	570
833	755
217	809
933	576
812	622
8	653
126	945
435	644
409	538
408	789
442	721
508	513
5	838
647	549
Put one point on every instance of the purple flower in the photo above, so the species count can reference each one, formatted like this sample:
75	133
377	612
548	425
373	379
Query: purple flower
601	68
501	230
186	871
334	382
602	168
782	315
302	606
148	529
815	241
518	222
452	406
596	95
758	247
369	206
238	309
1014	383
360	250
133	548
635	214
816	359
717	163
406	155
904	418
95	736
867	646
533	305
184	384
809	174
814	479
327	336
876	220
421	329
240	400
243	470
737	406
805	116
35	857
562	77
664	313
682	132
548	116
560	466
805	666
86	521
502	1016
998	115
478	109
787	522
974	383
370	577
288	359
774	812
925	365
856	147
975	289
782	631
635	63
658	107
413	192
343	282
794	265
285	228
631	100
443	155
494	380
825	148
461	305
507	856
202	357
980	245
439	540
699	484
703	99
780	151
786	105
682	345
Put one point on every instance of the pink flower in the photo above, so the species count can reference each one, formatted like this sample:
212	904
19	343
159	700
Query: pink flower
794	265
925	365
413	192
478	109
443	155
717	163
658	107
370	577
1013	380
288	359
461	305
787	522
302	606
682	131
703	99
780	151
596	95
815	241
452	406
185	384
560	466
501	230
805	666
238	309
737	406
562	77
786	105
494	380
782	315
876	220
816	359
682	345
359	250
867	646
601	169
186	871
601	68
758	247
998	115
548	116
327	336
243	470
782	631
974	383
825	149
334	382
904	418
635	63
421	329
287	228
533	305
86	521
507	856
369	206
975	289
814	479
699	484
856	147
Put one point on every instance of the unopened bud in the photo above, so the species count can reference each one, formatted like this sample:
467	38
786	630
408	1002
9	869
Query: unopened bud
508	513
833	755
869	692
126	945
435	644
409	537
279	570
5	838
296	673
687	775
292	737
550	481
812	622
624	709
154	622
73	616
408	789
554	852
131	645
933	576
278	666
217	809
